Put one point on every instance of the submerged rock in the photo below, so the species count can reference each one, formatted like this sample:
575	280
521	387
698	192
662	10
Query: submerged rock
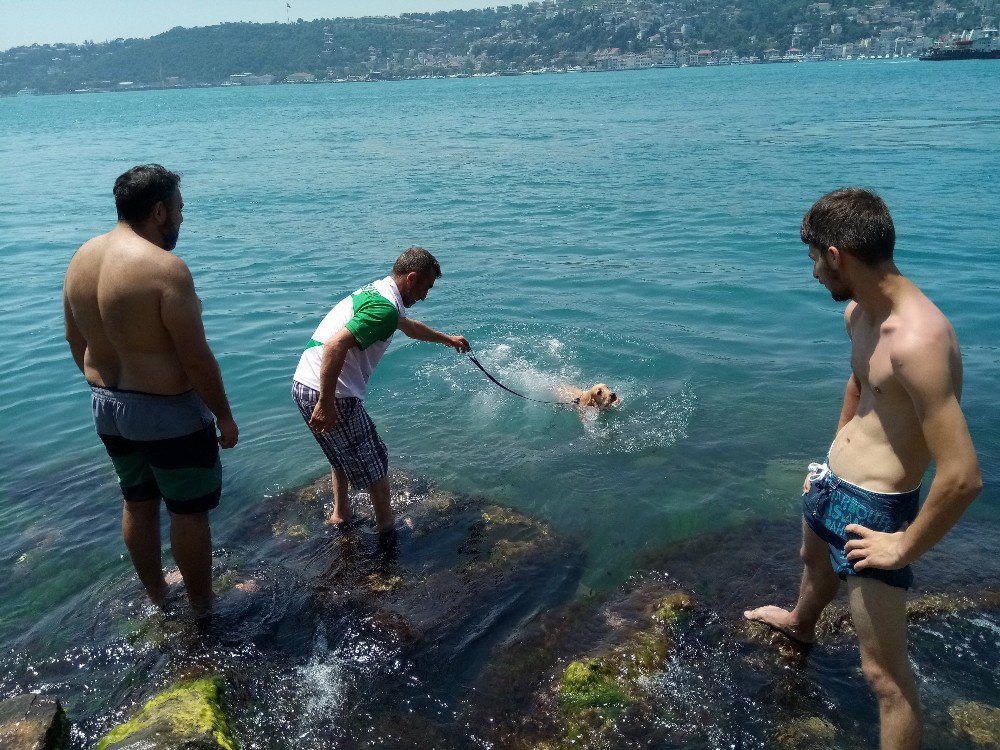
186	715
33	722
812	733
978	722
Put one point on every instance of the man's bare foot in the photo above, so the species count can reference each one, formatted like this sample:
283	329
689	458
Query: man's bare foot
169	580
201	609
335	519
249	586
781	620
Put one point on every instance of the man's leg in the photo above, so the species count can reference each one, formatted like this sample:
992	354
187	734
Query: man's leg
818	587
141	531
341	501
191	543
879	614
379	493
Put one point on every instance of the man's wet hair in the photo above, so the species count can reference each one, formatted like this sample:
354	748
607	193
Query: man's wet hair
141	188
416	259
854	220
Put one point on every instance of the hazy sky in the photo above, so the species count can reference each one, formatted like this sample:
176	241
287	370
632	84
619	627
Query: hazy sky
25	22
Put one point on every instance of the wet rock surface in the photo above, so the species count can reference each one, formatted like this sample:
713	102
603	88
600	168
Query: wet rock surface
33	722
978	722
466	629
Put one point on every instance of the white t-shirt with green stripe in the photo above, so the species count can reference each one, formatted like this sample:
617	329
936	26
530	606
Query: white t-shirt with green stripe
371	314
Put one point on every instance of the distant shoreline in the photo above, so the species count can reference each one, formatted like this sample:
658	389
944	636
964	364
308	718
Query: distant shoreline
400	79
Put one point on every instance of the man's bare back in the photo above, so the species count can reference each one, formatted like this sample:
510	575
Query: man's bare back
882	447
118	288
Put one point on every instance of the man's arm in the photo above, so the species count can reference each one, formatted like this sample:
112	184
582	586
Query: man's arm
924	367
852	393
423	332
77	343
180	312
324	416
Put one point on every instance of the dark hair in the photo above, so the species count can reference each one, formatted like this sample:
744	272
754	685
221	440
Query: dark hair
141	188
416	259
854	220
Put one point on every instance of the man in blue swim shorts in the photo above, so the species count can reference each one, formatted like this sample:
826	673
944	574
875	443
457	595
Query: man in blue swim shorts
133	323
331	379
900	413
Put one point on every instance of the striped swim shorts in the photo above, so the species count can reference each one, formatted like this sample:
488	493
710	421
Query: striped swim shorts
353	446
161	446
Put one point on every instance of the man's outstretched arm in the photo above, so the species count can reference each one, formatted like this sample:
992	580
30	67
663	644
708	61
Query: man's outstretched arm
423	332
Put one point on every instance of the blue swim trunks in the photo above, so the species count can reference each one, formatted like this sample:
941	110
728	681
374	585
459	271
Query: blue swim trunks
831	504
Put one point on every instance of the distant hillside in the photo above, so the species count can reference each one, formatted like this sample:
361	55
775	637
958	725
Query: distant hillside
537	35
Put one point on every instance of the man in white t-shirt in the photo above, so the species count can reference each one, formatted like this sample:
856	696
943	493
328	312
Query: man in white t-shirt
330	381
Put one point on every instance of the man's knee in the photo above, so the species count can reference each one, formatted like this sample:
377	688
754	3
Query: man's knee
189	520
815	556
888	685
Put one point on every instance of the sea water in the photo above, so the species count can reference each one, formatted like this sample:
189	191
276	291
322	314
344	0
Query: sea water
637	228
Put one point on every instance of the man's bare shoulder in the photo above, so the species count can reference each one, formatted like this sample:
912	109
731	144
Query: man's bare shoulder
129	257
923	334
849	315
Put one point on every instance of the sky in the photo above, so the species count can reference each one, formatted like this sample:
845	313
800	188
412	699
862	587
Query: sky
25	22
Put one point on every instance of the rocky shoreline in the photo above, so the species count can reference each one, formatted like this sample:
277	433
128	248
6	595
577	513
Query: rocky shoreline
469	630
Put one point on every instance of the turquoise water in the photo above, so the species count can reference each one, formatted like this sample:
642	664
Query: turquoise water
639	229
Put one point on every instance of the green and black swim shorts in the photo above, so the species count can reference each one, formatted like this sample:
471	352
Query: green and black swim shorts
161	446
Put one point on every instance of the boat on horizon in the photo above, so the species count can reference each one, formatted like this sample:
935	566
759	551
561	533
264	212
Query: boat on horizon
975	44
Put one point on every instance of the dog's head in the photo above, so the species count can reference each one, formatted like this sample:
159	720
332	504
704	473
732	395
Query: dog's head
600	396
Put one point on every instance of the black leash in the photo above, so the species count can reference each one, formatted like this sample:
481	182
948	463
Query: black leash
475	361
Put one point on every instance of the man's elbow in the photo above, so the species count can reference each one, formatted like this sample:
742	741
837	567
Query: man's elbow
966	485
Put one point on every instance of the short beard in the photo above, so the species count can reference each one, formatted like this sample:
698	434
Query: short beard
170	239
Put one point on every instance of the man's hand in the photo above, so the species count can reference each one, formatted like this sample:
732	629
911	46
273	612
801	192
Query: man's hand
324	417
875	549
229	433
806	483
459	344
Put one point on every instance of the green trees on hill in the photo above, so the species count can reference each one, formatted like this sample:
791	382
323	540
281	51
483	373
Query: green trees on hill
519	37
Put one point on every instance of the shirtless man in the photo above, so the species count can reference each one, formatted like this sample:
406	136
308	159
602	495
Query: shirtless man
133	323
900	413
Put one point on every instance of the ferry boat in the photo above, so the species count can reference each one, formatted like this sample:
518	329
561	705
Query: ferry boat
976	44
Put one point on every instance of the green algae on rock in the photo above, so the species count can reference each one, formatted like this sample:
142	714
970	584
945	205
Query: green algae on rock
187	714
671	608
593	683
978	722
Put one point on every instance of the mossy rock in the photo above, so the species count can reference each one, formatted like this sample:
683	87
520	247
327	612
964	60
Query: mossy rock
643	654
295	530
500	516
813	733
186	715
978	722
593	683
671	608
383	583
789	649
506	550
